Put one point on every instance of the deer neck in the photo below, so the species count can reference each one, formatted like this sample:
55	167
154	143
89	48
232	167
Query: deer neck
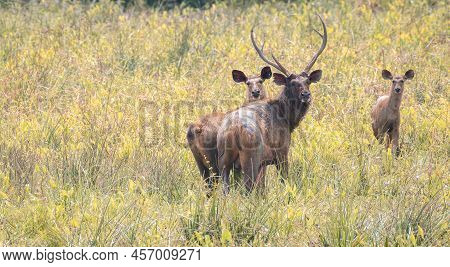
395	100
293	110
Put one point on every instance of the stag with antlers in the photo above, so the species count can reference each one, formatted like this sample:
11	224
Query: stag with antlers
259	134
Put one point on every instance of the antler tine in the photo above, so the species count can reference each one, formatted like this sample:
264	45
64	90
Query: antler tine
322	47
283	69
321	36
276	65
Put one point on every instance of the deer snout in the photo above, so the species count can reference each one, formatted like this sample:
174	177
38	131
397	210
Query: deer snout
305	96
256	93
397	90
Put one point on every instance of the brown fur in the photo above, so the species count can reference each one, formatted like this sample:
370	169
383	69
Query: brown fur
259	134
386	111
202	135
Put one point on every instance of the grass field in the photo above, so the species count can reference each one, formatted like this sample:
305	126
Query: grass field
95	101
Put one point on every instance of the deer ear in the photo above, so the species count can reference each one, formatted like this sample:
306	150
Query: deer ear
409	74
266	73
239	76
315	76
386	75
279	79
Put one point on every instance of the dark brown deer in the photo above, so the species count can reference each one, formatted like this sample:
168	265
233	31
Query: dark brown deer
202	135
259	134
386	111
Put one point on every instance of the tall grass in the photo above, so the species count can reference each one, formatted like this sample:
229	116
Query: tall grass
95	100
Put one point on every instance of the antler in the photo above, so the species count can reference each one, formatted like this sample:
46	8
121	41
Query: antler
322	47
276	65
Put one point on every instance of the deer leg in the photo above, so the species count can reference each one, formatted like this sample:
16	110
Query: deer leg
227	155
204	171
380	138
379	135
225	165
226	180
394	137
388	139
283	169
250	166
237	172
208	179
375	131
261	179
213	166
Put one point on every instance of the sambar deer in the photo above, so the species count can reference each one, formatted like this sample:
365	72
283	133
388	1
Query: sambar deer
259	134
202	135
386	111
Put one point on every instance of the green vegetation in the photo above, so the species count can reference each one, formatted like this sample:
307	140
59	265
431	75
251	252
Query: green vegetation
95	100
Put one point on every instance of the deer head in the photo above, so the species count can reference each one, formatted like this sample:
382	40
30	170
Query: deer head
397	81
296	86
255	88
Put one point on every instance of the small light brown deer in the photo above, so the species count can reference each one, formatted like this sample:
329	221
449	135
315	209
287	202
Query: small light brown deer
259	134
386	111
202	135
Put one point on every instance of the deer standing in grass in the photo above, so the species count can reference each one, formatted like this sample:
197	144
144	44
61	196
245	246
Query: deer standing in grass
202	135
259	134
386	112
